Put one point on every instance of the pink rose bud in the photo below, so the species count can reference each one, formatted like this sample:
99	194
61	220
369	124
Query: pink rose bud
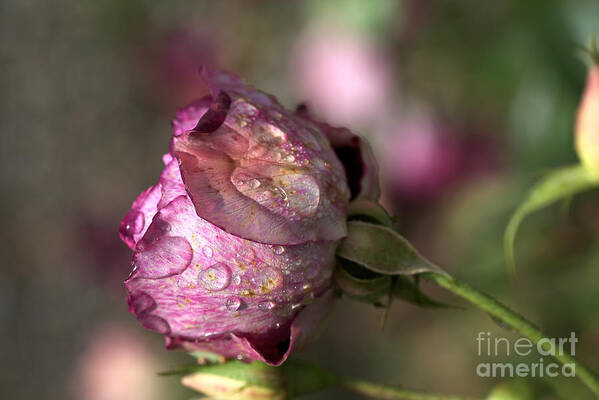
234	247
587	123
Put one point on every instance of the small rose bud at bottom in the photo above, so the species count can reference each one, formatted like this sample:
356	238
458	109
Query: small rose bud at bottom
238	381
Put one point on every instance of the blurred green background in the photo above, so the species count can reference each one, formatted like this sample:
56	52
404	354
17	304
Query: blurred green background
465	102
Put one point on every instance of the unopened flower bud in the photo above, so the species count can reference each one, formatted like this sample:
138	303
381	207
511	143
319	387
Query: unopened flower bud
234	247
235	380
587	123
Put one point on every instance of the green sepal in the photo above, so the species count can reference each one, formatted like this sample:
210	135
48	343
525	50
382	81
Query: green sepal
559	184
255	373
368	211
408	290
356	281
381	249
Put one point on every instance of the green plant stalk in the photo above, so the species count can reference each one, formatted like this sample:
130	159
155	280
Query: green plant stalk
384	392
514	320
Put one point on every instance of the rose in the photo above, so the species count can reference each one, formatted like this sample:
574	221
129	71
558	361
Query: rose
234	248
587	123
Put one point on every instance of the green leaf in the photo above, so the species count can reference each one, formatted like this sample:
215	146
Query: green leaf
381	249
365	210
559	184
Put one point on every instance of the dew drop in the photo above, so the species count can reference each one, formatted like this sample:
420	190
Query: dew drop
268	279
268	133
305	194
167	256
289	158
281	192
133	223
236	280
254	183
233	303
319	162
216	277
279	250
207	251
266	305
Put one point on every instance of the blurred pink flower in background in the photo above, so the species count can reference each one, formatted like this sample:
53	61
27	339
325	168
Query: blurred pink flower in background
418	159
343	76
116	365
423	158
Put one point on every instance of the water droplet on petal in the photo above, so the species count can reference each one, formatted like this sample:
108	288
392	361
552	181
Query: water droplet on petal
155	323
216	277
268	133
268	279
236	280
254	183
282	194
157	230
279	250
233	303
266	305
207	251
289	158
167	256
133	223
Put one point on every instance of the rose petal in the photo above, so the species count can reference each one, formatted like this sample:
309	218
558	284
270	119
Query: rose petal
229	285
275	347
138	218
356	156
265	174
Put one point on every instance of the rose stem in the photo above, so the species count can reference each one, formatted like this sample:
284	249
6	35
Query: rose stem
379	391
514	320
